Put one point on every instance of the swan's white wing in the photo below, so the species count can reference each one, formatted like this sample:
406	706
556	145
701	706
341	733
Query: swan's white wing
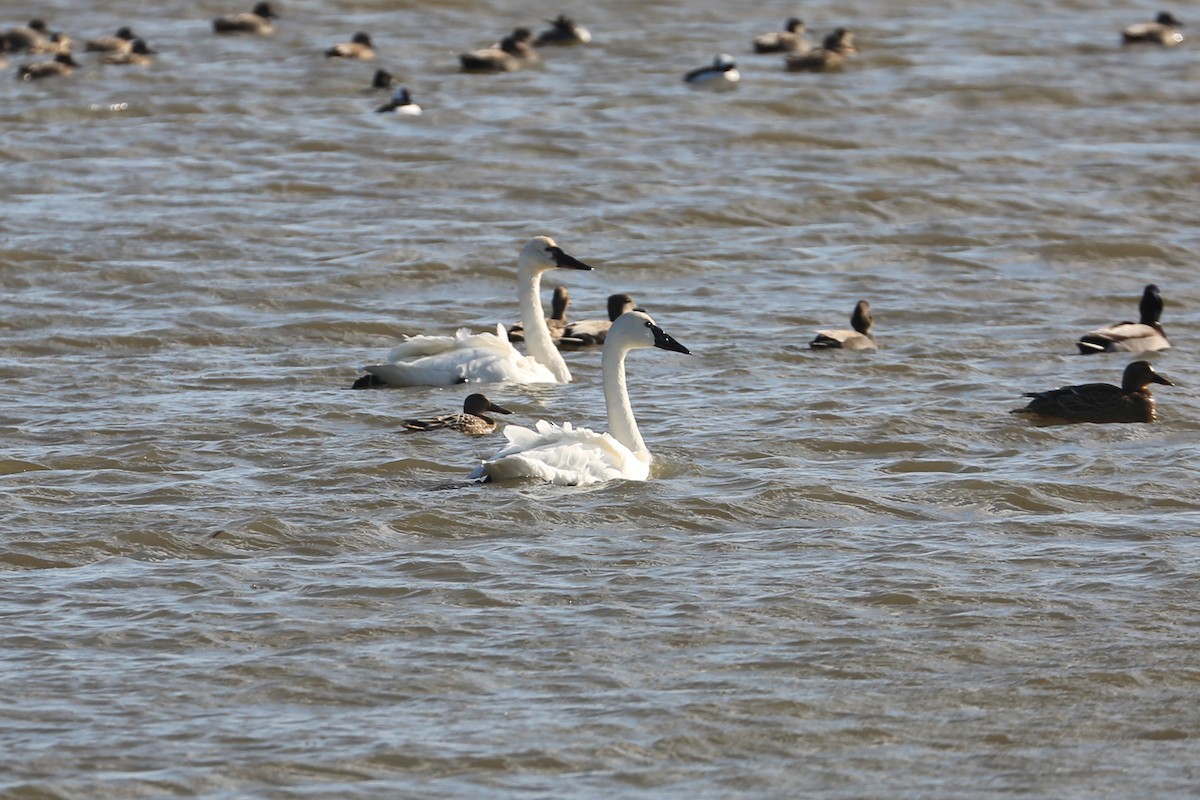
463	358
564	455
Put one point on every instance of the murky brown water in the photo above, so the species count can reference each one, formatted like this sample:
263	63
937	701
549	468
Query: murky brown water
851	576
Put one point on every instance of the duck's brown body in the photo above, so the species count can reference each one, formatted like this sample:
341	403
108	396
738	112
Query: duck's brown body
1100	402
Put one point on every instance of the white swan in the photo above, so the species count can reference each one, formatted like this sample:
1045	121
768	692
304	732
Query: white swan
486	357
571	456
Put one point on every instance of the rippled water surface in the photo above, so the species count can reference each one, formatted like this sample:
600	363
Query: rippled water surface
850	575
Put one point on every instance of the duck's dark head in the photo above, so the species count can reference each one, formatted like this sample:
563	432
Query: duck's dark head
794	25
1140	374
265	10
618	304
861	320
1151	305
1165	18
361	38
478	405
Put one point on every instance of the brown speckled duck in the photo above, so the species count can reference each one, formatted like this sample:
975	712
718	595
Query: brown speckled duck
1100	402
1161	32
829	56
861	338
789	40
471	421
1142	336
256	22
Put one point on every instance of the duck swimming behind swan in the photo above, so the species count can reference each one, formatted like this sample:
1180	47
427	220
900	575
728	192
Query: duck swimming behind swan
556	322
486	357
570	456
471	421
861	338
1142	336
1100	402
588	332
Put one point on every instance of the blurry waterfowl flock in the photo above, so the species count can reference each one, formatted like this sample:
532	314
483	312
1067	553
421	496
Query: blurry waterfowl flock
573	455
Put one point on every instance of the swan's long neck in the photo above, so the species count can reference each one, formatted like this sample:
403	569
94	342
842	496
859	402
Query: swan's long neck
621	423
537	334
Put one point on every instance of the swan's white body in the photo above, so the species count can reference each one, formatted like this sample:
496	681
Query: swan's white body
489	357
570	456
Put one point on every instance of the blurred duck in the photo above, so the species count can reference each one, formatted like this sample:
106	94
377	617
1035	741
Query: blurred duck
831	55
556	322
471	421
138	55
721	74
31	38
486	357
62	65
1161	31
508	55
1100	402
861	338
789	40
383	80
563	32
359	47
119	42
1131	337
256	22
401	103
589	332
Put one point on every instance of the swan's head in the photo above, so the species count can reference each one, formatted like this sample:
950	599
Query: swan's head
478	404
542	253
636	329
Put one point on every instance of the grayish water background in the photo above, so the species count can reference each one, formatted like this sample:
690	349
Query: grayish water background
851	575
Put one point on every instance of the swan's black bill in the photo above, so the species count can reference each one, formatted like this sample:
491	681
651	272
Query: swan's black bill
565	261
665	341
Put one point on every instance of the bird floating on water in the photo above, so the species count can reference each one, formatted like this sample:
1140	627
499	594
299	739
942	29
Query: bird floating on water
721	74
359	47
830	55
256	21
472	421
1142	336
587	332
563	32
1162	31
860	338
1100	402
789	40
401	103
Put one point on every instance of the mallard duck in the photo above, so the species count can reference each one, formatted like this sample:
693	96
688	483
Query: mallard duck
830	55
588	332
564	32
119	42
62	65
1142	336
556	322
471	421
1161	31
860	338
721	74
256	21
789	40
138	55
401	103
1100	402
359	47
508	55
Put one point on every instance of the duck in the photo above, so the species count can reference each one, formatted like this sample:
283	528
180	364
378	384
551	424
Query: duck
256	21
563	32
62	65
138	55
721	74
359	47
789	40
1142	336
1101	402
471	421
486	357
382	80
31	38
861	338
556	322
588	332
830	55
401	103
119	42
508	55
1161	31
570	456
